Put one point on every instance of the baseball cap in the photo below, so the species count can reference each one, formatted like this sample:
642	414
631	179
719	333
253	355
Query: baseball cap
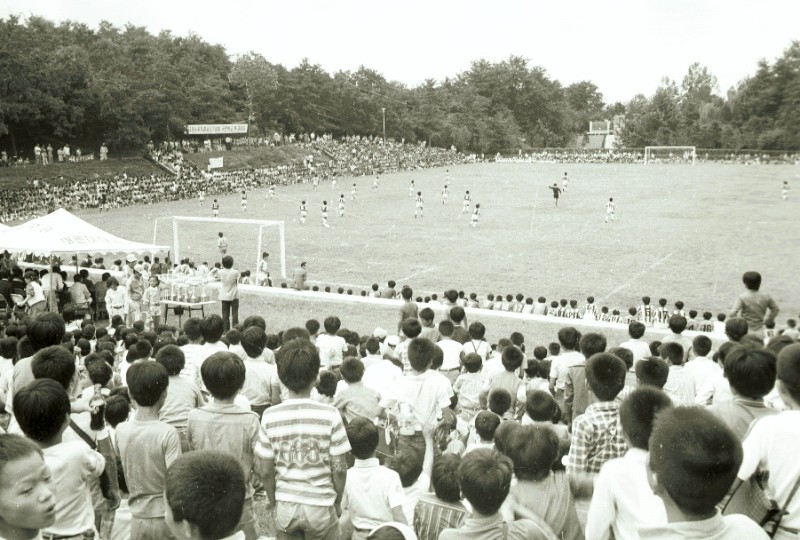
131	257
379	333
392	341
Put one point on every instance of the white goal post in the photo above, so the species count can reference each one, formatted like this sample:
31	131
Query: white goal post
260	223
670	154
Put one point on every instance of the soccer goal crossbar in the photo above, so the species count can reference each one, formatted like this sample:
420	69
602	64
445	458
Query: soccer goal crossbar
260	223
686	153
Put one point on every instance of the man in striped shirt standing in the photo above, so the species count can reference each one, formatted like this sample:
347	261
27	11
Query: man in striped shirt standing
301	451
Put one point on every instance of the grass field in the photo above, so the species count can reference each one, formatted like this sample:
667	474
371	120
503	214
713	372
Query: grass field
682	232
18	177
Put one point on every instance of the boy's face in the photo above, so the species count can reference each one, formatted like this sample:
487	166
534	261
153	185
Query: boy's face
26	496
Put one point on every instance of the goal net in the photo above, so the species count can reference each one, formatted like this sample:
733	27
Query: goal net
670	154
197	238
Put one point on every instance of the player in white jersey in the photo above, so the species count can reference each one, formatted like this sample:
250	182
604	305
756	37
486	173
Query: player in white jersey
411	189
244	201
475	214
271	192
375	182
333	183
610	210
785	190
215	208
353	191
419	209
445	193
446	177
467	200
202	196
315	182
341	205
564	182
303	212
324	211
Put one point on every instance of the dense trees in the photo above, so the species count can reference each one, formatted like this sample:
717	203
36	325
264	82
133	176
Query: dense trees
69	83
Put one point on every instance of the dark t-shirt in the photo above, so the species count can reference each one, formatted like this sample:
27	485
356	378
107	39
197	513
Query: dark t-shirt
556	192
5	290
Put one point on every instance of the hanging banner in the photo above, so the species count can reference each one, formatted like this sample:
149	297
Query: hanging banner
215	162
215	129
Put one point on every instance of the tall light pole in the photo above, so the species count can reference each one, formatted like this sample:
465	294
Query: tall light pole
383	112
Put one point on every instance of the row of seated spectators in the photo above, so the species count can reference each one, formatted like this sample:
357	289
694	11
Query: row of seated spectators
563	155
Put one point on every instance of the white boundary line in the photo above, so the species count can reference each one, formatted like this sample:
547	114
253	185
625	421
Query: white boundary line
637	276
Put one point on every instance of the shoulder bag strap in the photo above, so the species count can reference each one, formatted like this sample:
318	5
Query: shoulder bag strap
85	437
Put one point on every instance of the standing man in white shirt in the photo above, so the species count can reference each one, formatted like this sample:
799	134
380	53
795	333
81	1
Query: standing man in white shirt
229	292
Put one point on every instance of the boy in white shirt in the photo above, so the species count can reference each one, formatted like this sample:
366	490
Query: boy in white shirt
636	344
331	347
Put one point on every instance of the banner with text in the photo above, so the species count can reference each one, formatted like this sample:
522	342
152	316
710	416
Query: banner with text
215	163
215	129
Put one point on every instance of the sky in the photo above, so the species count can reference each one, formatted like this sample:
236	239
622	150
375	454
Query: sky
625	47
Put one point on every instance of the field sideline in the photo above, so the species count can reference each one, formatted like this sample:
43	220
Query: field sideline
682	232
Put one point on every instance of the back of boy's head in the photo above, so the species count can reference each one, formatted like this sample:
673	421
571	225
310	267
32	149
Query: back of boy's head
592	343
540	352
512	358
532	368
54	363
752	280
84	346
533	450
298	364
296	332
438	358
420	354
553	348
129	338
540	406
677	323
654	346
444	477
605	374
407	293
206	489
652	371
788	372
695	457
457	314
223	374
233	336
473	362
499	401
411	328
485	478
446	328
212	328
254	339
407	463
363	436
636	329
42	409
637	413
172	358
139	351
736	328
326	385
751	372
623	354
45	330
426	314
193	328
569	337
332	324
672	352
486	423
147	382
352	369
477	330
701	345
312	325
117	410
8	347
100	371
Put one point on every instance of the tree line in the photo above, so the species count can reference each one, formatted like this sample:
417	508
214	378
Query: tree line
68	83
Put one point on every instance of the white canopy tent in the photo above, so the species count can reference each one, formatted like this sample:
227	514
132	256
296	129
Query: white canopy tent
64	233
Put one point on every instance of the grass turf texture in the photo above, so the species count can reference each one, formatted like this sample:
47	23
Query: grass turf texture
682	233
20	177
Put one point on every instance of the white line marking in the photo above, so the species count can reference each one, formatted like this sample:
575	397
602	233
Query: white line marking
637	276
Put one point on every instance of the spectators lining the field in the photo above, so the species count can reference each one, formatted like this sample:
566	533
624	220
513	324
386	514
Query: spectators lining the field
566	155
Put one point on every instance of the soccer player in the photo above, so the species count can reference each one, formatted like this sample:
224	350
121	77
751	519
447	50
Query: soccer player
303	212
444	194
556	192
244	201
785	190
564	182
324	211
333	182
315	183
215	208
353	192
200	195
610	209
375	182
341	205
411	189
447	178
222	244
419	209
467	199
475	214
271	192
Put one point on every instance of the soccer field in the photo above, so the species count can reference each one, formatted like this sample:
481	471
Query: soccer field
682	233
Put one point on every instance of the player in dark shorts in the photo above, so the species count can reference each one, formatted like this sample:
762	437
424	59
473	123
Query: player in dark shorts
556	192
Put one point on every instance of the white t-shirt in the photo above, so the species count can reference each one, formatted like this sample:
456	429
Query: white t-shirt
258	380
381	377
452	353
427	393
370	493
72	464
701	369
639	348
412	495
331	350
480	347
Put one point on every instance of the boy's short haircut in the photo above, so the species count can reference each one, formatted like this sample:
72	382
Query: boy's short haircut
554	349
605	374
147	382
438	358
253	341
212	328
592	343
444	477
652	371
45	330
411	328
457	314
677	323
172	358
736	328
789	370
363	436
55	363
751	372
326	385
117	410
626	355
446	328
637	413
533	450
41	409
14	447
407	293
233	336
473	362
752	280
223	374
721	317
295	332
532	368
100	372
207	489
499	401
544	368
695	457
84	346
254	320
477	330
227	262
420	354
654	346
512	358
332	324
672	351
636	329
569	337
139	351
540	352
8	347
426	314
540	406
486	423
193	328
298	364
701	345
485	478
407	463
352	369
312	325
372	345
